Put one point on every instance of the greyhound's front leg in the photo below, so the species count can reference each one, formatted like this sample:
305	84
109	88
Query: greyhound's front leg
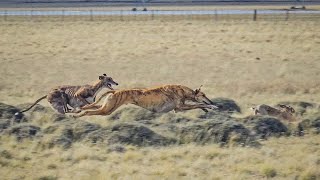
90	113
204	109
185	107
82	99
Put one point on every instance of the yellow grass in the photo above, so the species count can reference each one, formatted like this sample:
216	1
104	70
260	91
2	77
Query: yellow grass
282	158
250	62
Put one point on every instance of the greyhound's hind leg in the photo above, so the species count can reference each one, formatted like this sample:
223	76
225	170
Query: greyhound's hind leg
107	108
58	100
60	108
91	107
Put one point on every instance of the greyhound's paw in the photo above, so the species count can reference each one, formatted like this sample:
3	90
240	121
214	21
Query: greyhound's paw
77	111
86	106
213	107
205	110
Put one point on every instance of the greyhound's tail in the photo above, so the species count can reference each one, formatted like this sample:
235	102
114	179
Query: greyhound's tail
97	100
43	97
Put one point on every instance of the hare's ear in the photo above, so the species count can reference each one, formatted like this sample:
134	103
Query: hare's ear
292	110
100	77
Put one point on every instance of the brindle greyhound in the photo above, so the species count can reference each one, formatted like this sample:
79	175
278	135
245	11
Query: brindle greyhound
75	96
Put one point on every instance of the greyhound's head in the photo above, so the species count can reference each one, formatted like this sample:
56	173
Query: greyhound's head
200	97
107	81
287	108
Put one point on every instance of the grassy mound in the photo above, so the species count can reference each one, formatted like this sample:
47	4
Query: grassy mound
139	127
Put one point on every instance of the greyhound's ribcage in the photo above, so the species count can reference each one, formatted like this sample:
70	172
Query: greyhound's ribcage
74	102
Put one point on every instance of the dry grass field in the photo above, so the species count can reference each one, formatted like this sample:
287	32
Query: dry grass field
283	158
249	62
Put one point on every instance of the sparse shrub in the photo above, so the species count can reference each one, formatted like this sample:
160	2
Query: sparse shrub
98	158
50	129
7	111
316	125
65	158
52	166
26	158
47	178
265	126
4	124
132	155
22	131
4	163
8	117
214	131
246	171
269	172
227	105
182	174
135	135
6	154
234	139
58	117
212	155
177	156
81	130
310	174
81	157
65	139
312	124
116	148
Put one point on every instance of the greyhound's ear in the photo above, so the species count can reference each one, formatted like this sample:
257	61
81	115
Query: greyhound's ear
197	90
104	74
100	77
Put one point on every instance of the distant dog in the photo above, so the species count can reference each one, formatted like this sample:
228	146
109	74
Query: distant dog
285	112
